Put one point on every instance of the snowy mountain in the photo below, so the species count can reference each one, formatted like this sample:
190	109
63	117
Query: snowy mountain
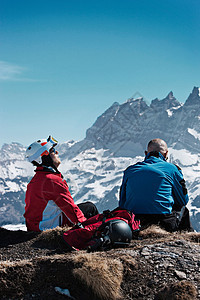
94	166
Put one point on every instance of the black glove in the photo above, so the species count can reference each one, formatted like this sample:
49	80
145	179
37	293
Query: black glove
78	225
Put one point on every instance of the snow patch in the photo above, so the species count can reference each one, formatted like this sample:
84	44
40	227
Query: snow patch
15	227
170	111
183	156
194	133
12	186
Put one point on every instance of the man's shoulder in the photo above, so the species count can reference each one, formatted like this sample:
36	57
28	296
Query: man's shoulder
132	167
156	165
172	166
56	181
54	176
172	169
50	176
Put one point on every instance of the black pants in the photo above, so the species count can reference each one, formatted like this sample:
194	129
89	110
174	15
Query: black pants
88	209
177	220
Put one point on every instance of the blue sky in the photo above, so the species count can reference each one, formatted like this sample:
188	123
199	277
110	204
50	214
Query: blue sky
64	62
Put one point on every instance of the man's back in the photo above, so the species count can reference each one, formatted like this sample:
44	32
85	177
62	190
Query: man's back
49	202
152	186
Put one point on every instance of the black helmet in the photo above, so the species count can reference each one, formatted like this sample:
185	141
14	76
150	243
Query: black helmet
119	232
112	234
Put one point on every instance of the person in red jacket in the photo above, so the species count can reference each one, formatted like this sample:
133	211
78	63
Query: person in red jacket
48	201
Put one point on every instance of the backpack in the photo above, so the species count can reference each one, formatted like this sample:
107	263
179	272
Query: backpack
103	231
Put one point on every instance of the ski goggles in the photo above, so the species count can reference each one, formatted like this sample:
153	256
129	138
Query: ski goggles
52	140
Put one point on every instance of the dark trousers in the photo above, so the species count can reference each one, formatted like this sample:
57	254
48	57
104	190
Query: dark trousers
88	209
177	220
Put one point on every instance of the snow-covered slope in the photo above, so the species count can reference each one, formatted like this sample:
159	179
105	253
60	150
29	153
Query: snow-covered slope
94	166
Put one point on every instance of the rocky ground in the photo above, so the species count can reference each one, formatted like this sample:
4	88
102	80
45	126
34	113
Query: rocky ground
159	265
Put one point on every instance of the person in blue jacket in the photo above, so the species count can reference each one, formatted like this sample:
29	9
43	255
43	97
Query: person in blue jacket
155	190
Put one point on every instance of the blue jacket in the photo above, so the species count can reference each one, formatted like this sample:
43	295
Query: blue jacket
153	186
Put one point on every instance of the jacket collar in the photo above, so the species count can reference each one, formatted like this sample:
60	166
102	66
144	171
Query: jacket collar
155	154
47	169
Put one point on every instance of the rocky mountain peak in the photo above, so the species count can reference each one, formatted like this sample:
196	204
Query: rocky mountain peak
116	116
138	105
134	99
170	96
194	97
168	102
115	104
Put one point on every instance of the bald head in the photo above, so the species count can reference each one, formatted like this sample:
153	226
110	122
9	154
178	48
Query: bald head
157	145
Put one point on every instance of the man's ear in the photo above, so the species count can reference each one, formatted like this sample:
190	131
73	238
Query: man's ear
166	155
145	152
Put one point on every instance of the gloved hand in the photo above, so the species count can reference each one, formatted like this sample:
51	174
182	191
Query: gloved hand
78	225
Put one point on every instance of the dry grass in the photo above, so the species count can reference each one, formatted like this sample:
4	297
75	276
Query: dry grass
51	237
13	264
156	232
103	276
153	231
192	236
128	259
54	237
183	290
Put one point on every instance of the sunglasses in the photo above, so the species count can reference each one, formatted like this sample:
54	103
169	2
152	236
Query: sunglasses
52	150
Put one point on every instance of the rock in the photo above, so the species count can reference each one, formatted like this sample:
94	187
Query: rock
180	275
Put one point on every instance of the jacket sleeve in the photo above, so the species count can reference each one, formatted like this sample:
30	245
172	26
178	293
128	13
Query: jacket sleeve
65	202
122	193
179	190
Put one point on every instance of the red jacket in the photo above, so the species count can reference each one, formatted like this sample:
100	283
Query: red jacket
49	202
